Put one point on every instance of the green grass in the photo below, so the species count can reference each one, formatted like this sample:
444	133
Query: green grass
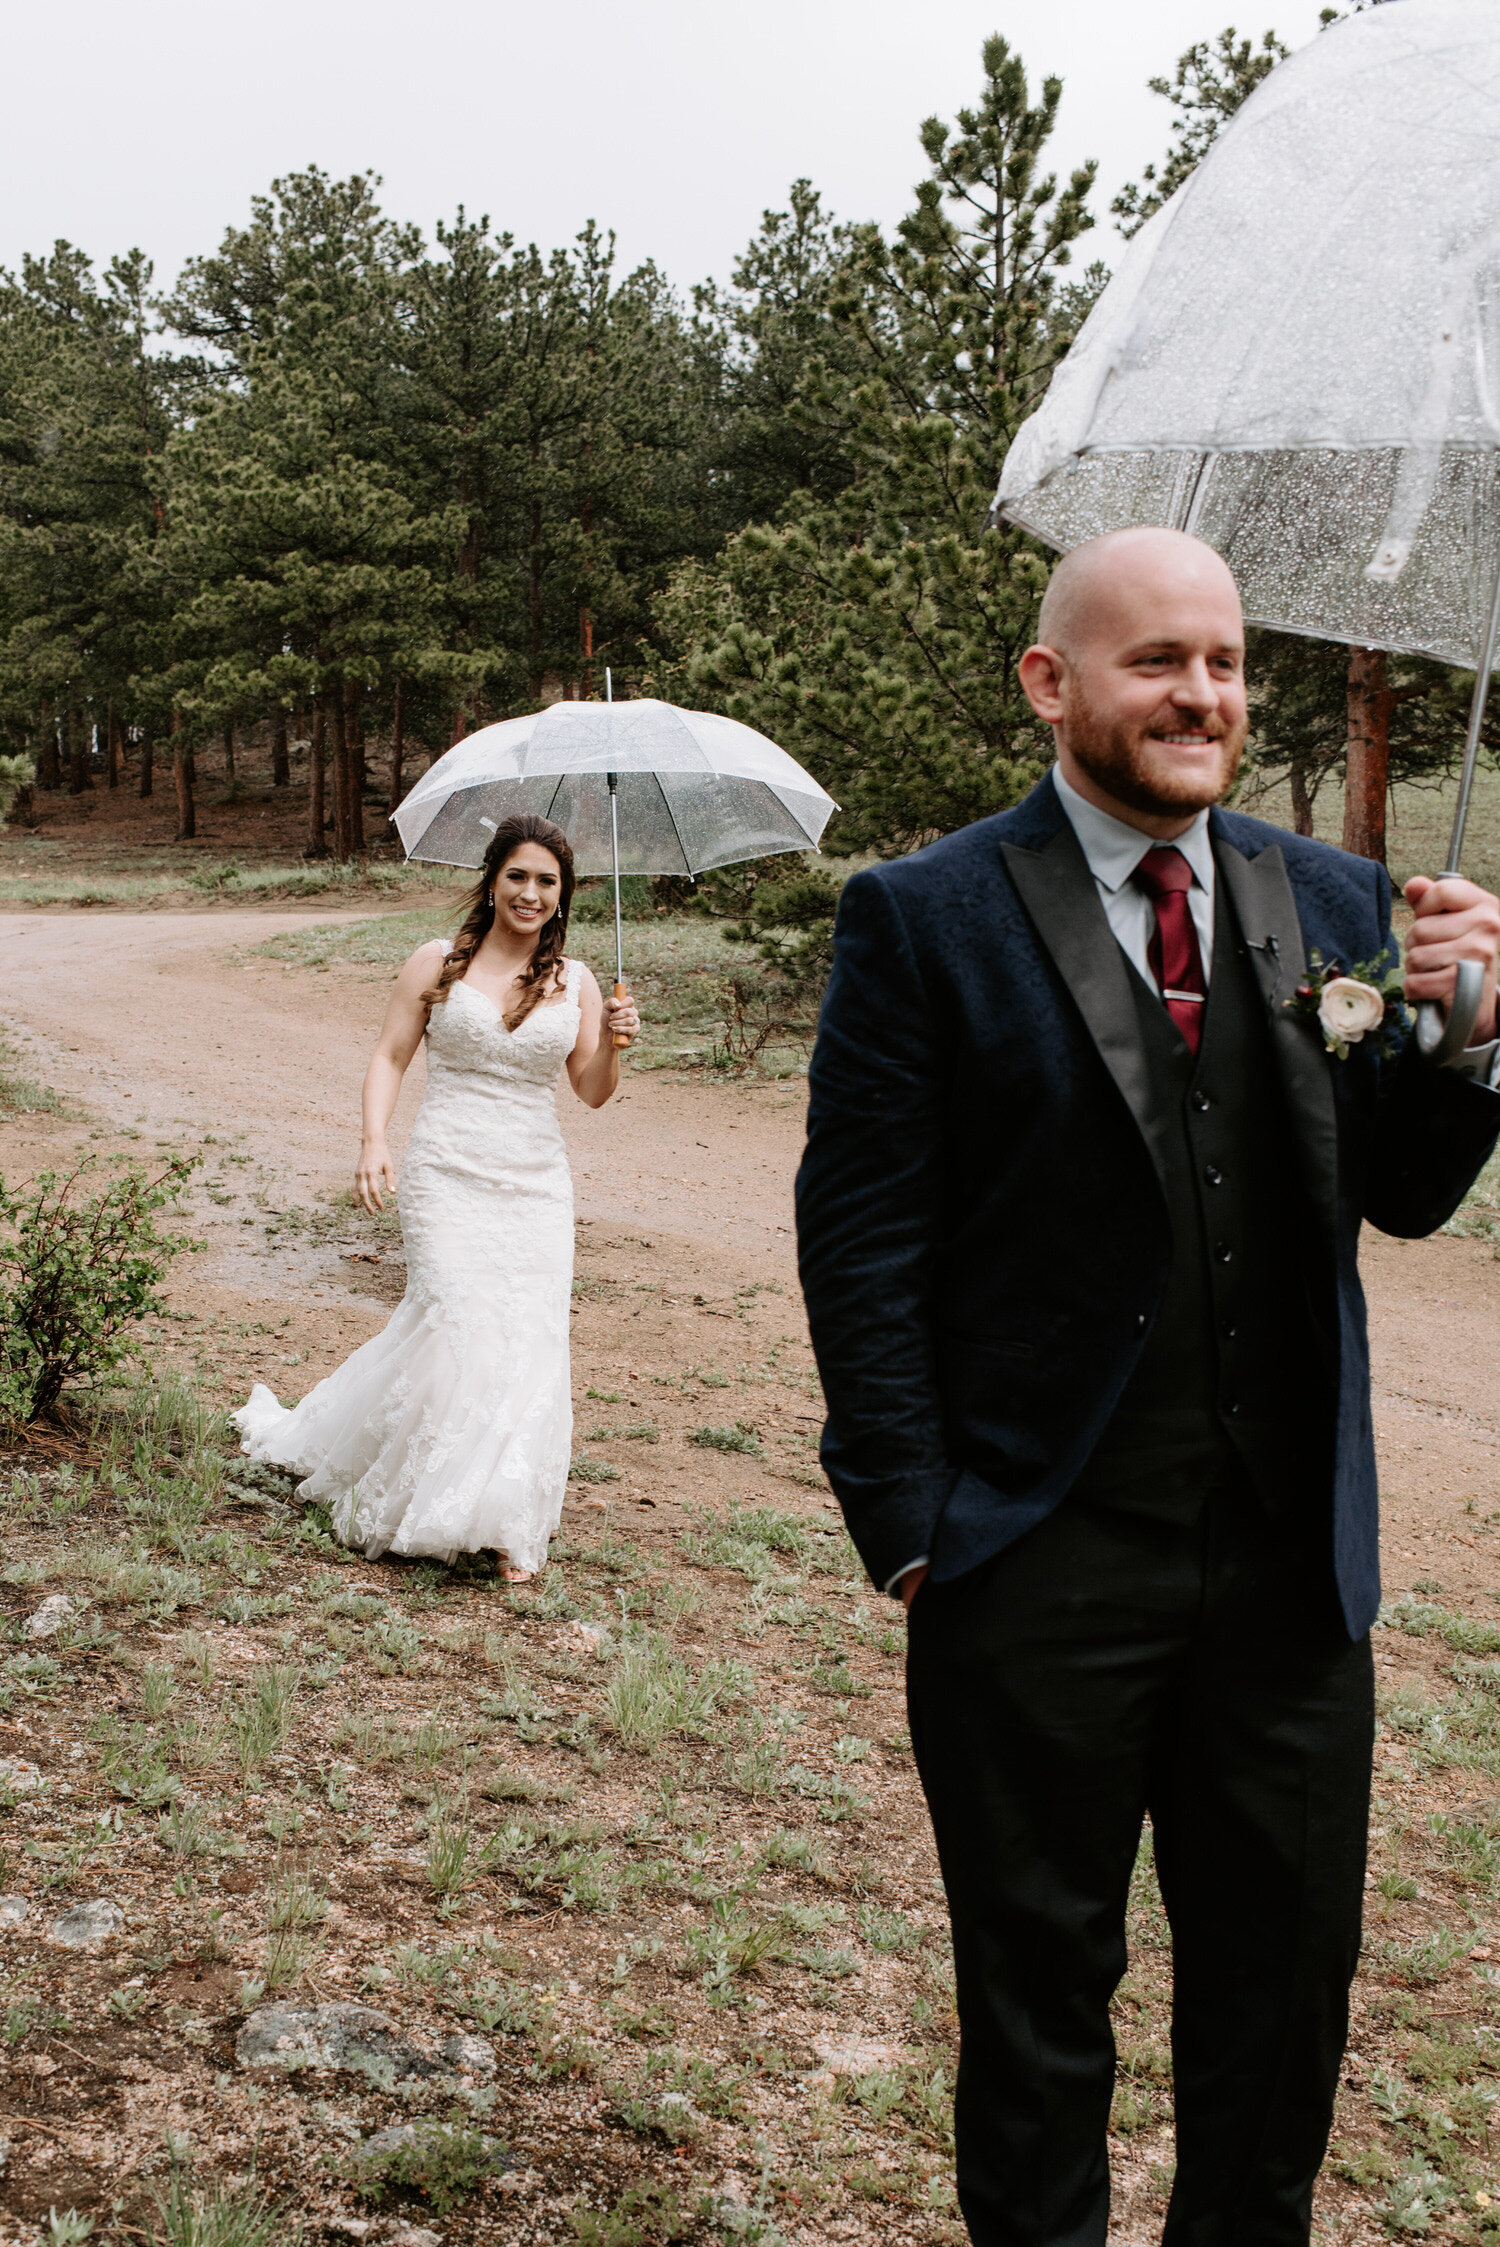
1418	824
673	964
224	882
1478	1216
20	1095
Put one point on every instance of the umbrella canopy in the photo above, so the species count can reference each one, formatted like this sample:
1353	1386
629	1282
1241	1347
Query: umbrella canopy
694	790
1299	358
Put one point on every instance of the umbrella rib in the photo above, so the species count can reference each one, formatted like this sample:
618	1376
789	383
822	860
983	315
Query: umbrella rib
677	831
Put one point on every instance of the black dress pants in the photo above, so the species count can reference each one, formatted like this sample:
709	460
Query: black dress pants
1108	1664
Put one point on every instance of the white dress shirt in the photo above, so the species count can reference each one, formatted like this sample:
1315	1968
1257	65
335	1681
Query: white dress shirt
1114	851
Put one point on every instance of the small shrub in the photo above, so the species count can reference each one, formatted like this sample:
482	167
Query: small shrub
1417	2195
741	1437
451	1858
647	2216
584	1469
17	779
736	1941
653	1693
76	1270
395	1645
1427	1958
444	2162
1463	1633
262	1717
219	2217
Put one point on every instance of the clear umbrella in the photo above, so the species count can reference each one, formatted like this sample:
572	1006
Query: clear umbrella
1299	361
637	787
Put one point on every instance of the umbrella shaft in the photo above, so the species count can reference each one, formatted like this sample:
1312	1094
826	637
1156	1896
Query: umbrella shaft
614	837
1476	728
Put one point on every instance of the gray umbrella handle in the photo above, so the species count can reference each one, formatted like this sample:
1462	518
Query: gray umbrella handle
1441	1039
1444	1041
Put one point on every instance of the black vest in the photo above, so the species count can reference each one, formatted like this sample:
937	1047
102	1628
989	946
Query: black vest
1233	1368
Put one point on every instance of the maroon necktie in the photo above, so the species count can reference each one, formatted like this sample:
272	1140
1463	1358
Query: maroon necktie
1166	877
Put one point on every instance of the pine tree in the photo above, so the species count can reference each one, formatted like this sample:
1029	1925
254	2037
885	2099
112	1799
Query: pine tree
85	409
874	630
1212	79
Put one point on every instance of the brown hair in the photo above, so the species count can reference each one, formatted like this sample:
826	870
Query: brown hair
546	971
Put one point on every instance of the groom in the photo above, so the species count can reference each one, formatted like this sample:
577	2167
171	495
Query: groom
1079	1215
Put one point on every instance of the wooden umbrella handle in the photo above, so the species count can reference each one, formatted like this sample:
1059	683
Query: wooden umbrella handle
620	1042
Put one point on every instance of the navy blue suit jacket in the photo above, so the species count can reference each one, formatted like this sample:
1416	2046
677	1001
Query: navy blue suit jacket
983	1237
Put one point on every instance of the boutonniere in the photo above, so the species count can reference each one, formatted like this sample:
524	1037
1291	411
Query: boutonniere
1365	1003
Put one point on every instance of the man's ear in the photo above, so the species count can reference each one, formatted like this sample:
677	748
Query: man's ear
1040	670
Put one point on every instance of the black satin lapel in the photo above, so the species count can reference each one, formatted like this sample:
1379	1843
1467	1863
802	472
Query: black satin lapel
1267	913
1062	898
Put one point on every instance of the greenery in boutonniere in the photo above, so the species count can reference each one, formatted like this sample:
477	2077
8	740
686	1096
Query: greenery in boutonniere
1365	1003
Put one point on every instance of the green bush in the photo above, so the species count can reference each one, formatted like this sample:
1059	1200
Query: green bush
17	774
443	2161
76	1270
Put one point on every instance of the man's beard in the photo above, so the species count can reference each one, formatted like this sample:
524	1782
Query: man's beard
1119	762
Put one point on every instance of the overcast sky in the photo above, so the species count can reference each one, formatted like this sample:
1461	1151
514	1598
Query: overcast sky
676	122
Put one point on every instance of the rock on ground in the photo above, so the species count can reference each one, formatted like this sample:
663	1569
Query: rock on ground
50	1616
352	2038
86	1926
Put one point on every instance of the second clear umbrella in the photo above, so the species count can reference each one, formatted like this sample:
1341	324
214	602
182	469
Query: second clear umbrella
638	788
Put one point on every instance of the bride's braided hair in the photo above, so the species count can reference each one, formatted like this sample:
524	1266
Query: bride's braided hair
546	971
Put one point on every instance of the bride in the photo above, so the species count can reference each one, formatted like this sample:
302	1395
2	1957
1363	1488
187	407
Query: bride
451	1431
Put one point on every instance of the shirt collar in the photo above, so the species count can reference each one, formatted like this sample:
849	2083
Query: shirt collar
1114	850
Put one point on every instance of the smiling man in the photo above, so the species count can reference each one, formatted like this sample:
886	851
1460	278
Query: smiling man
1079	1219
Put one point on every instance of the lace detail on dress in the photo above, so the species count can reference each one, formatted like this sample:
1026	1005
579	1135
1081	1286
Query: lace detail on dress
452	1429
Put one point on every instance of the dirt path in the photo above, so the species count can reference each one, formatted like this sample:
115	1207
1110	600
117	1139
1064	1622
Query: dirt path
169	1025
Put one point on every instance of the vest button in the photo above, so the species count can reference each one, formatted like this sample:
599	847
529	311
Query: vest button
1213	1174
1223	1253
1202	1102
1140	1322
1231	1409
1229	1333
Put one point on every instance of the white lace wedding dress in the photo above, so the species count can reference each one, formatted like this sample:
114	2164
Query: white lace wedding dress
451	1430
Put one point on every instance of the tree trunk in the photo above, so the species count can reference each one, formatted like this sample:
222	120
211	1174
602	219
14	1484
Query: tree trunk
281	763
316	809
148	759
341	822
1302	809
78	756
182	780
586	651
1367	762
116	747
460	727
534	595
229	754
354	751
48	769
398	748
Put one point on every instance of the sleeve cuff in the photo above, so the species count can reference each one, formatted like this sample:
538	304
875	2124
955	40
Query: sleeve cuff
923	1560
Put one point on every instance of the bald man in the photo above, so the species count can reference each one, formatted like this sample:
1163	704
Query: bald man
1078	1219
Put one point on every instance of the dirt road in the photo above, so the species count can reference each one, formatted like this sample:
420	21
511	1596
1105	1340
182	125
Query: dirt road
169	1026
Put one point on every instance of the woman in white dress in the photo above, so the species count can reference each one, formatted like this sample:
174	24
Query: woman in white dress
451	1430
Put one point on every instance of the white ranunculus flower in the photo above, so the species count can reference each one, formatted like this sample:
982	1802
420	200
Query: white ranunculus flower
1347	1008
